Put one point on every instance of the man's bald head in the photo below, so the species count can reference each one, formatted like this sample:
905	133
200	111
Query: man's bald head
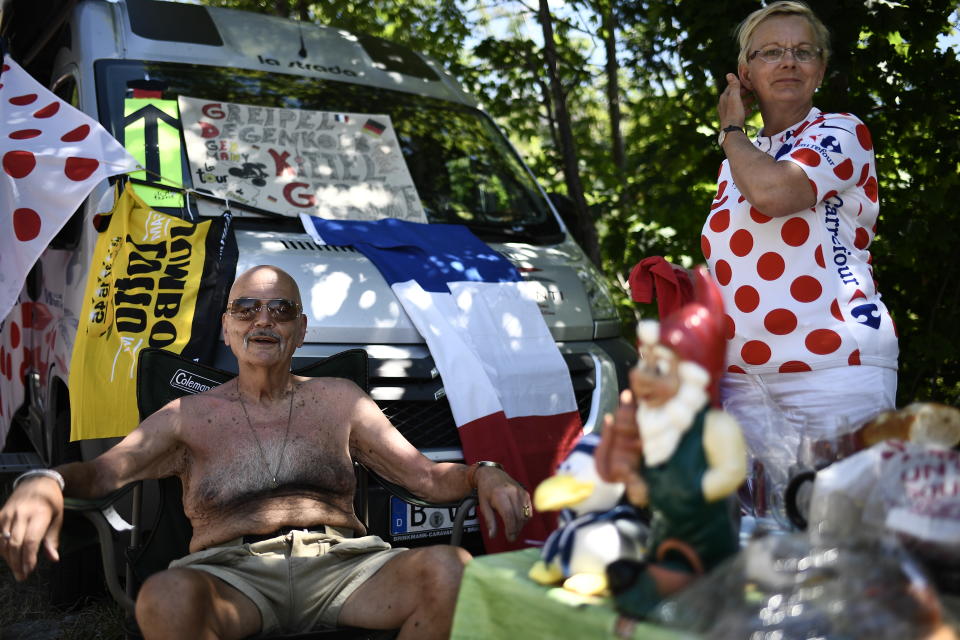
265	281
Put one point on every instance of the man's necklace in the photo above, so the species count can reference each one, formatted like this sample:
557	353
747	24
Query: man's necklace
286	434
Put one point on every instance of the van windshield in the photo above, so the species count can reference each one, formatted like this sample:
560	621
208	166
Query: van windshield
464	170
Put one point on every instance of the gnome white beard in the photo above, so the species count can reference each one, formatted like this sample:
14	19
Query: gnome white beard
662	427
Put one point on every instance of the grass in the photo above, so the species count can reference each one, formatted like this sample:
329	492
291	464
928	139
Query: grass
27	611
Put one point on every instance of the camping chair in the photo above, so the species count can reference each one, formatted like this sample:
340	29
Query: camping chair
162	377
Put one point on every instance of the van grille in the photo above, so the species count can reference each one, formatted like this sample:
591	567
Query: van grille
427	422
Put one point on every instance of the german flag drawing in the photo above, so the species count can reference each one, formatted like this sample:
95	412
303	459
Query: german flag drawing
374	128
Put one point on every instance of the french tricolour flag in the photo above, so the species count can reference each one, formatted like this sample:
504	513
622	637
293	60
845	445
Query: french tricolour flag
508	386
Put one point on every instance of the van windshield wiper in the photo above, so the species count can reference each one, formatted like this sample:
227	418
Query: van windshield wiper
205	195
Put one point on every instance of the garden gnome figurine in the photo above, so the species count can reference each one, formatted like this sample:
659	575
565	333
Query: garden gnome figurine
676	452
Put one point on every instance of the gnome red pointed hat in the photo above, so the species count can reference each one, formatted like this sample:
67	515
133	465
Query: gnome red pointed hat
695	331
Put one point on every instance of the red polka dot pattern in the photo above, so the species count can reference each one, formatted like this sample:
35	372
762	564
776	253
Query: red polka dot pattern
770	266
755	352
759	217
863	135
780	322
705	246
805	289
741	243
808	157
14	335
844	170
835	310
785	295
746	298
19	164
25	134
861	238
26	224
80	169
720	189
723	272
822	341
720	220
48	184
77	134
795	231
48	111
24	100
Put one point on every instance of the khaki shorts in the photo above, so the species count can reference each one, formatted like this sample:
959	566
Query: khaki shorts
298	581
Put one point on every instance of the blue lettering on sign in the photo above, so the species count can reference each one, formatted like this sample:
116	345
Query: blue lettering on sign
867	314
398	517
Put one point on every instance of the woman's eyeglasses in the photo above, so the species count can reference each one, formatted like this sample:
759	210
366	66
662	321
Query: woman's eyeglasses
773	55
280	309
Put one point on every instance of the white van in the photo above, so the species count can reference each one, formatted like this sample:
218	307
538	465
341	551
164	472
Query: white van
95	53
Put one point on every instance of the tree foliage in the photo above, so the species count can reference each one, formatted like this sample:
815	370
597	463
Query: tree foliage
887	67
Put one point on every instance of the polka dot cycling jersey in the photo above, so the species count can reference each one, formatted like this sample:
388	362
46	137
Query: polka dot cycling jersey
798	290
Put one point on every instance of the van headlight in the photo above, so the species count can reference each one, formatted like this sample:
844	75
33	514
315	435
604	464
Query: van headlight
594	284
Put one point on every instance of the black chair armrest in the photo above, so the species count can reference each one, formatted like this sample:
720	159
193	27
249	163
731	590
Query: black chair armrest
103	502
102	513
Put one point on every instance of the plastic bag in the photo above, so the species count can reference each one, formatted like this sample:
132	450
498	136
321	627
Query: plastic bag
906	489
788	587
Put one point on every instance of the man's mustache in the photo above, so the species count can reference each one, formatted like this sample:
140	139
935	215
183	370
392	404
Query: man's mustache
262	333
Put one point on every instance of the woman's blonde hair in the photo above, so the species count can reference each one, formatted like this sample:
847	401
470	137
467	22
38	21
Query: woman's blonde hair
784	8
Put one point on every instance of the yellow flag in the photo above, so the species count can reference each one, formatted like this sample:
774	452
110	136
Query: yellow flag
147	272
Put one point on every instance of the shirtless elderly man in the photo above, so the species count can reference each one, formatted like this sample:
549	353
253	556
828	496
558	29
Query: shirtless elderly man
265	452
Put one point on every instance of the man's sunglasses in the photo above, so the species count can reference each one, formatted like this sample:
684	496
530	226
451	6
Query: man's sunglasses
280	309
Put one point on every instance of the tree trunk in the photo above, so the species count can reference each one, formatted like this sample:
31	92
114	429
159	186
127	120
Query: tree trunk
613	85
586	232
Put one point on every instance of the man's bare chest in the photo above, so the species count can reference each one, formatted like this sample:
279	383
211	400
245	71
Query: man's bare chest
231	460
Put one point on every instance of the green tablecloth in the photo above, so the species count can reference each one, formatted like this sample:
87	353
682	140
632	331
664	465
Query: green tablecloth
498	601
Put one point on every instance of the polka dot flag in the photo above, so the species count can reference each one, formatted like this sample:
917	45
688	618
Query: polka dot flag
51	156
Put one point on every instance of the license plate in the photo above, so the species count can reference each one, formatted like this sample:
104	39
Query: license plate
408	521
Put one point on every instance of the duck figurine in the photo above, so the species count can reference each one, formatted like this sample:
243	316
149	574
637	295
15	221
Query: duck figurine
594	530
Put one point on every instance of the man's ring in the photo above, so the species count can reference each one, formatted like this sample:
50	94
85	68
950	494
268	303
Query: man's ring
526	511
6	535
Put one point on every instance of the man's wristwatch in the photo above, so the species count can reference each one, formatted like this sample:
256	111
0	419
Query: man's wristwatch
472	471
726	130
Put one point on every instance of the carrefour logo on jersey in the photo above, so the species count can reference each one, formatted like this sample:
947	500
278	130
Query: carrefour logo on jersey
831	220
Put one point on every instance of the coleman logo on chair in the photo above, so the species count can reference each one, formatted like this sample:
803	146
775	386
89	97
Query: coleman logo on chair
190	382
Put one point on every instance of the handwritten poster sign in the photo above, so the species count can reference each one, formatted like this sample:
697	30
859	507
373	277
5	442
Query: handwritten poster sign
340	166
